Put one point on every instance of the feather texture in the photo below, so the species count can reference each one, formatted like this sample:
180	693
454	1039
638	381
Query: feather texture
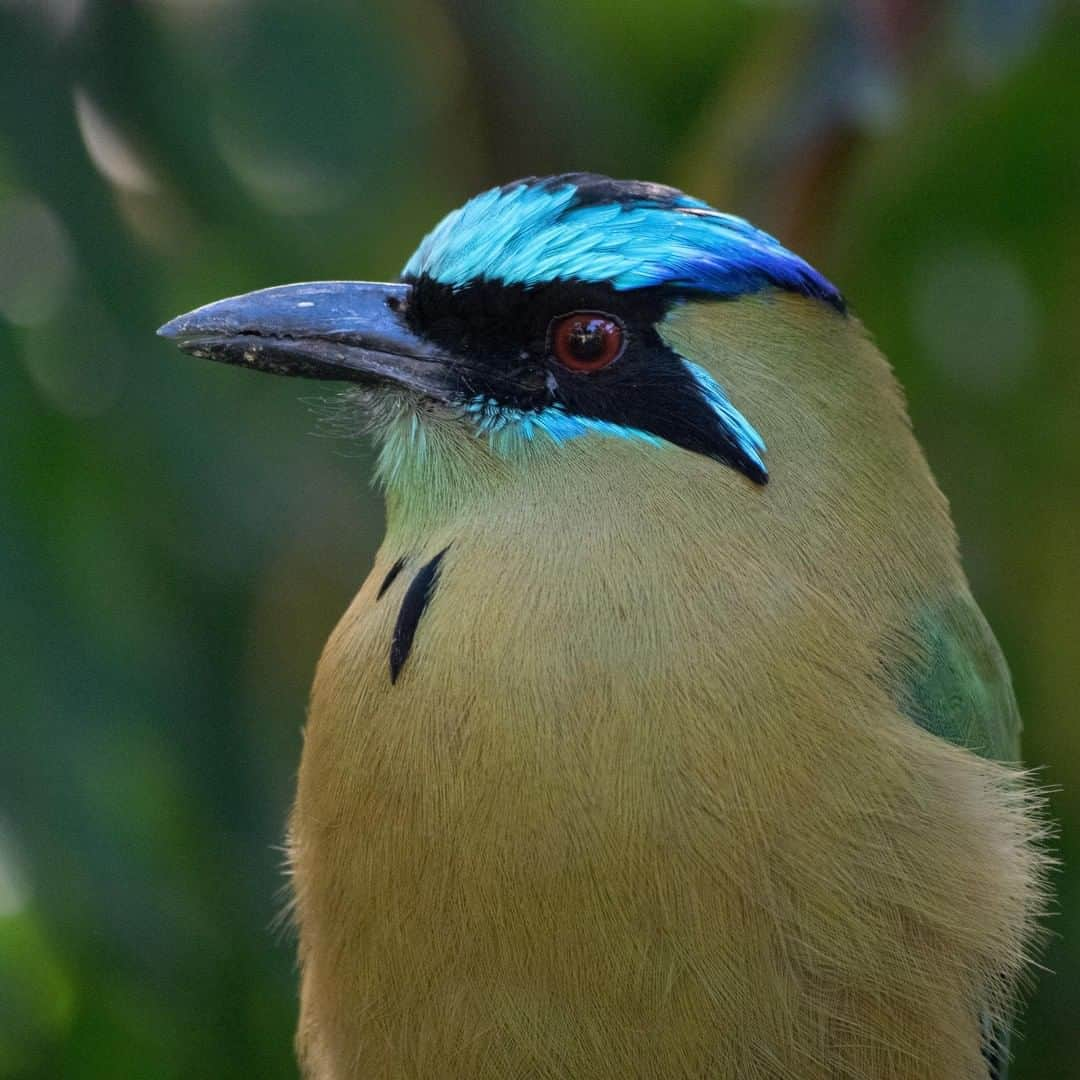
667	788
630	235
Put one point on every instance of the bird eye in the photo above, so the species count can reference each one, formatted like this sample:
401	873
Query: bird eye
585	340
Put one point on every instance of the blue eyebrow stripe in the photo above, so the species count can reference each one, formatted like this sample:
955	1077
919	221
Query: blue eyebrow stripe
741	430
624	233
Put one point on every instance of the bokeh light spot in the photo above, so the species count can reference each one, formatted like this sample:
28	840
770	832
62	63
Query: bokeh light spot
281	181
110	152
77	378
35	261
14	885
976	317
62	16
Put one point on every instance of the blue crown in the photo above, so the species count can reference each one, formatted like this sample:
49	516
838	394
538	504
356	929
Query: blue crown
631	235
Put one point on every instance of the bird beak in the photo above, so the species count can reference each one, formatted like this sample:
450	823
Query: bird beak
353	331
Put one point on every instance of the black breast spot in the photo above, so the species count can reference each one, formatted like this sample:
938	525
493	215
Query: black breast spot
390	577
413	606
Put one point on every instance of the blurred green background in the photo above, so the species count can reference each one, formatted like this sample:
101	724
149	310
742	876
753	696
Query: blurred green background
175	545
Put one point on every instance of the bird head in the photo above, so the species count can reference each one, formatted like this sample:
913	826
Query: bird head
536	314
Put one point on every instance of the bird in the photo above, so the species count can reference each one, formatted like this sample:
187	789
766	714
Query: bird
665	738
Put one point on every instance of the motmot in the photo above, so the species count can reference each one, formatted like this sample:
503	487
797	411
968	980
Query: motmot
664	738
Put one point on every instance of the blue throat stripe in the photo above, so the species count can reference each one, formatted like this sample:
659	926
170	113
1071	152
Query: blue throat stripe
554	422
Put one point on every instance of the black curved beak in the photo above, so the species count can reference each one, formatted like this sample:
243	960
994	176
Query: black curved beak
353	331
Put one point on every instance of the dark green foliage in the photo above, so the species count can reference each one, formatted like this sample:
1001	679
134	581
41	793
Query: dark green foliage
174	548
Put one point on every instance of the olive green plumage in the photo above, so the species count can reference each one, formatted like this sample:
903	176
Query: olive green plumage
665	738
683	776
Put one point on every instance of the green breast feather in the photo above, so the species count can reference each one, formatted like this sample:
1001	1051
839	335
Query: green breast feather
949	676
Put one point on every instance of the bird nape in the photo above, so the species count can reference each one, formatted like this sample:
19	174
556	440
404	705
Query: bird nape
664	738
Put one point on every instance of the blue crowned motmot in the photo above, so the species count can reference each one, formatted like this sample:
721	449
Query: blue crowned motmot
664	738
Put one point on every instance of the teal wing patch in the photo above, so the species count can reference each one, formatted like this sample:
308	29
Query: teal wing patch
948	675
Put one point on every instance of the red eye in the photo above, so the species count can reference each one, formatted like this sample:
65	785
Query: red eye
586	340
